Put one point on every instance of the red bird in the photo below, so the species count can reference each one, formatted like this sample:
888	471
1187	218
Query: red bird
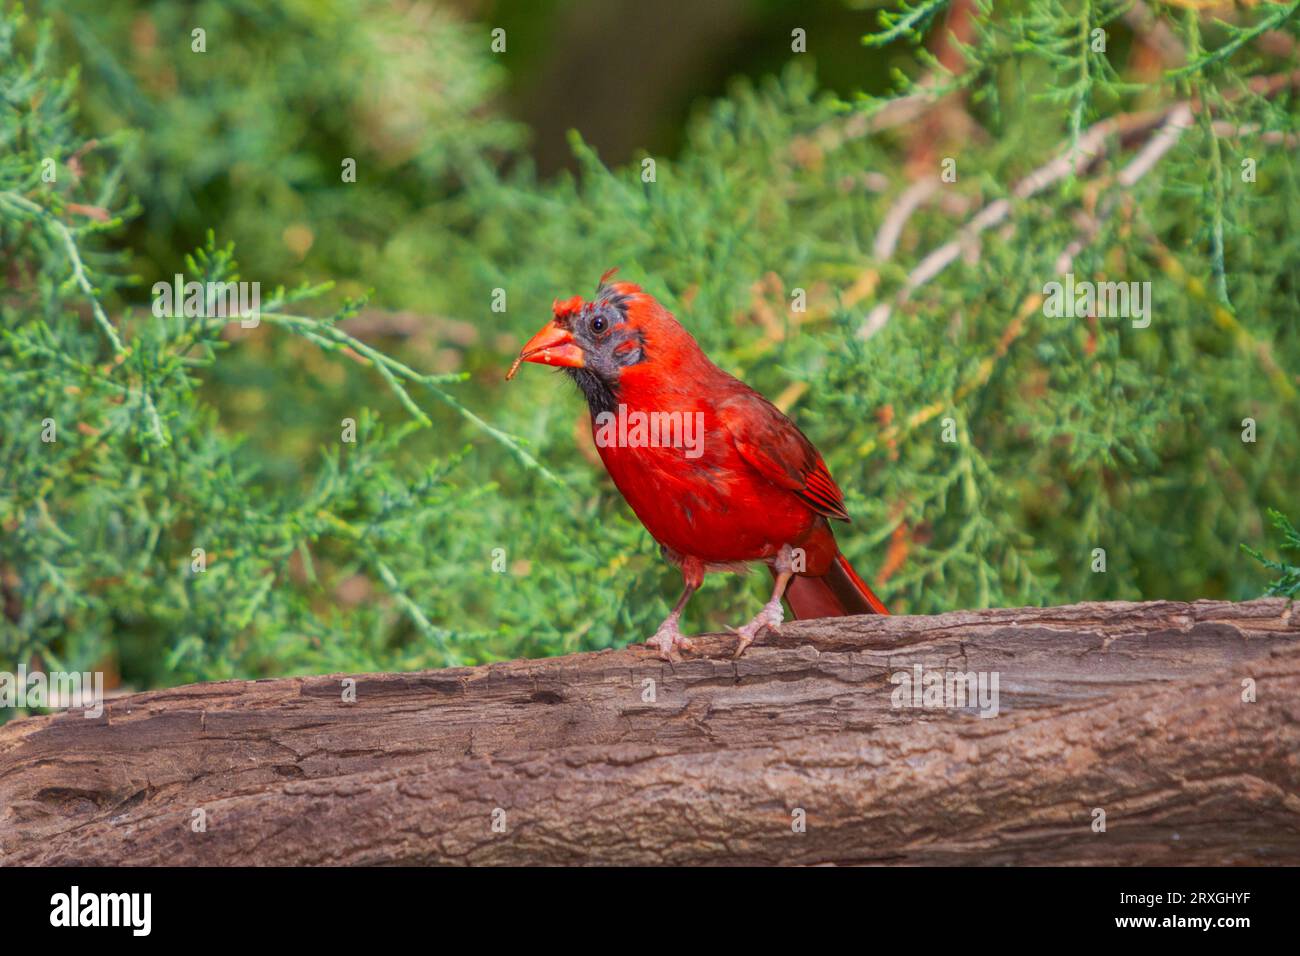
718	475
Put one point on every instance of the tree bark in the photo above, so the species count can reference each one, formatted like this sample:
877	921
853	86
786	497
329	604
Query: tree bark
794	754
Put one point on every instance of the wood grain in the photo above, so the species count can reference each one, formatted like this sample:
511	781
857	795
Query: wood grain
1133	709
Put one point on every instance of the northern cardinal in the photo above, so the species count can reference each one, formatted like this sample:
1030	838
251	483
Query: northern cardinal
718	475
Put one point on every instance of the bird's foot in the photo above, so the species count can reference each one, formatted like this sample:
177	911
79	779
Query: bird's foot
668	639
771	616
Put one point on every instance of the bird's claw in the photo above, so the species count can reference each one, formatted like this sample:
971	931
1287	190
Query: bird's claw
667	640
771	617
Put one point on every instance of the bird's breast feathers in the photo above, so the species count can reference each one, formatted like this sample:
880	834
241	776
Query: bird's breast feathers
680	472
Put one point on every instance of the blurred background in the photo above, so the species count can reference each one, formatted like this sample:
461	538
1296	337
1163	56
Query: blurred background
201	516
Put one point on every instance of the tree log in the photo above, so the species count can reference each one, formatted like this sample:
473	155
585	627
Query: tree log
1136	716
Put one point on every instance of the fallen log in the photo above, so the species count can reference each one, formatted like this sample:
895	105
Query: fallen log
1120	733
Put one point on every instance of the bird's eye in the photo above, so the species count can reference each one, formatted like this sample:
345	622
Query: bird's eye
598	324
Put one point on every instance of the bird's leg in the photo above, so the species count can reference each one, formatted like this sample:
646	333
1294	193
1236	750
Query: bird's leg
669	638
772	614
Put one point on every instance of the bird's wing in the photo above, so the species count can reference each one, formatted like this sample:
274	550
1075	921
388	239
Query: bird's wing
782	454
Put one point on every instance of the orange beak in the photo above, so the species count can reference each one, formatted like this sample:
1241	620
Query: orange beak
553	345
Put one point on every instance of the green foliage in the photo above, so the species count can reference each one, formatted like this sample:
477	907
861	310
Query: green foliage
1288	583
264	119
909	20
465	523
132	520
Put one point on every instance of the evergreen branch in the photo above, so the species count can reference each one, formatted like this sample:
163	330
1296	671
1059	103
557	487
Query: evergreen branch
394	586
80	278
890	435
1216	199
1240	38
330	336
1218	264
883	114
1179	120
509	441
1224	319
1091	147
361	557
1288	583
417	616
909	21
1083	84
79	275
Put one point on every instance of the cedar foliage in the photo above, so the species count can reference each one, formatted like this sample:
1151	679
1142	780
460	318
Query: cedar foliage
465	523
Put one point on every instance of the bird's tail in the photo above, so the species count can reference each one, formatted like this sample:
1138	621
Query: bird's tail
837	593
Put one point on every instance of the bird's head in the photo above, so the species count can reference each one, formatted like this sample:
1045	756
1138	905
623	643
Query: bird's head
596	342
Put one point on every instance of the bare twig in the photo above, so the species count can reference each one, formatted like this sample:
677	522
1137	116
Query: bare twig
912	198
1092	145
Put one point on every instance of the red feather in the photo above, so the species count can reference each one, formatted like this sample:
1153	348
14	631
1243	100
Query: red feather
754	484
759	483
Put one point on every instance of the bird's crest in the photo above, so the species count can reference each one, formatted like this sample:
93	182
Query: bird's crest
616	292
562	308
